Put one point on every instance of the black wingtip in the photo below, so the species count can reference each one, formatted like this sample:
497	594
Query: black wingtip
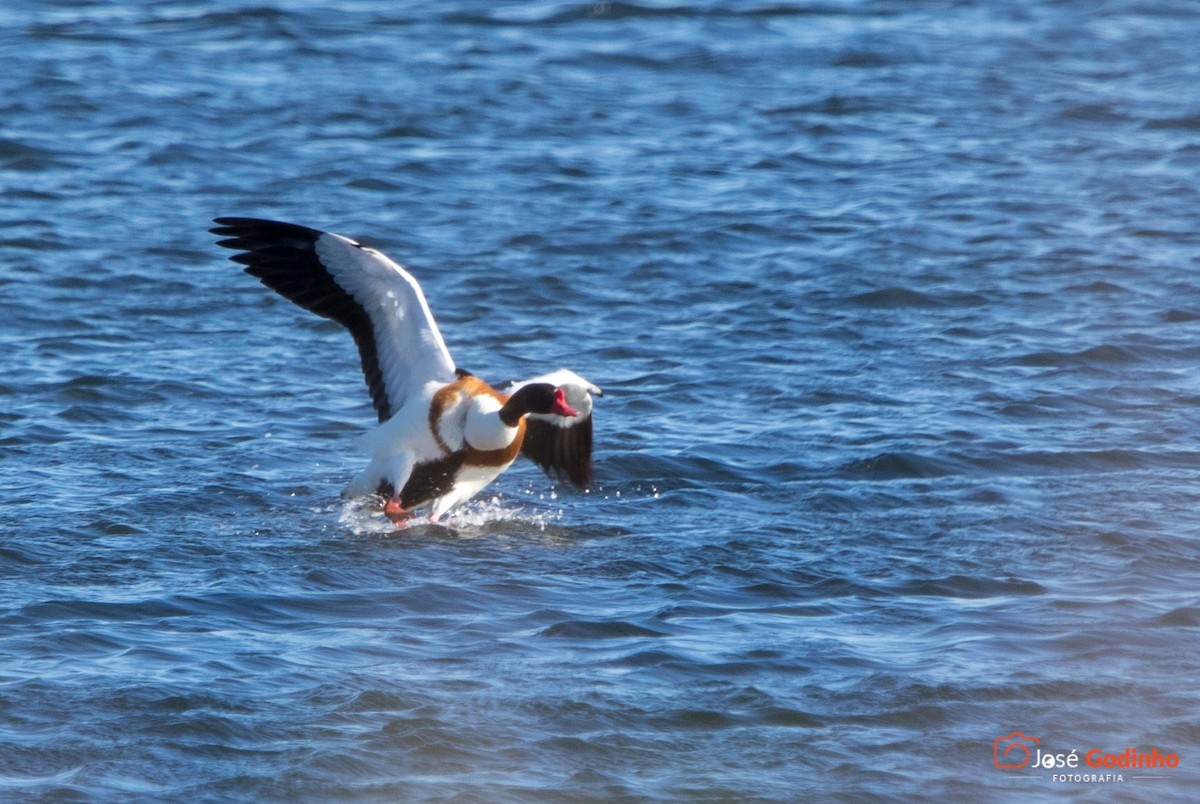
283	256
227	225
261	228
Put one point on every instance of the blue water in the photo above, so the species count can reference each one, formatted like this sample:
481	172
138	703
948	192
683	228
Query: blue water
897	312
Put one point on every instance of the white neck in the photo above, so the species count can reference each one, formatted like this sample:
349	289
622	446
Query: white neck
483	429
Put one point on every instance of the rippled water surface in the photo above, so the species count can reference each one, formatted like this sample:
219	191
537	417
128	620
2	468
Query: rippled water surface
897	312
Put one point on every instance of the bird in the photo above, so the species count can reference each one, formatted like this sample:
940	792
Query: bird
443	433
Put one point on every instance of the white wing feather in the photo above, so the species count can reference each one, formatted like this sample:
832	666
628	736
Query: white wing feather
410	348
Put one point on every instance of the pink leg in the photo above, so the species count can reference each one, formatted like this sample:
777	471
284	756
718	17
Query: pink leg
393	511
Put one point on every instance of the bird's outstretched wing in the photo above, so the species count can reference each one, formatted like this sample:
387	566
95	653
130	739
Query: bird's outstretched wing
377	300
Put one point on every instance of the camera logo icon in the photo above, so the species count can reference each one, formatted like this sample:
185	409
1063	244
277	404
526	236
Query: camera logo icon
1013	751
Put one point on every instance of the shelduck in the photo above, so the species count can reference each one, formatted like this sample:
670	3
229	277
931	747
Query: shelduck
443	434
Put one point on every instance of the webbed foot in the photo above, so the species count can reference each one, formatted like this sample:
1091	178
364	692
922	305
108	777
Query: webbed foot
393	511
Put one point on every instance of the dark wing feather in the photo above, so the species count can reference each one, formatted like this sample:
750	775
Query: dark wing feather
374	298
564	452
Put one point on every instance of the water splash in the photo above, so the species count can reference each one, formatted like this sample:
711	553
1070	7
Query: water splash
364	517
